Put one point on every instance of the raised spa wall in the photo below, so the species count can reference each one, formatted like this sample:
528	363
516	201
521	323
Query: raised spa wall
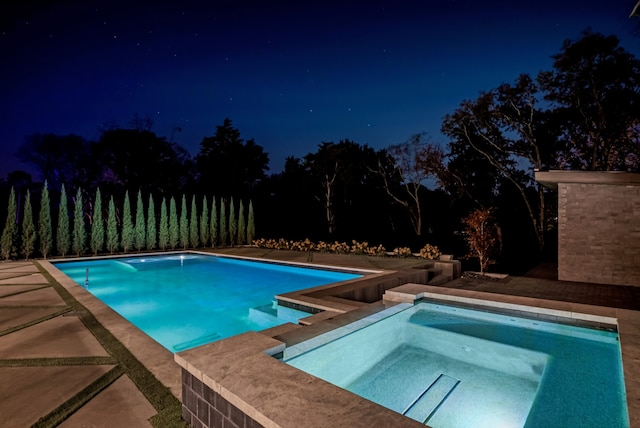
237	382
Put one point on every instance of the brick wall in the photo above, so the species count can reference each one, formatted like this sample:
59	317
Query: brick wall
599	233
202	407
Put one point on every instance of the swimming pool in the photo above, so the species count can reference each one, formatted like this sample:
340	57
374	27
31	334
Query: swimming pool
451	367
186	300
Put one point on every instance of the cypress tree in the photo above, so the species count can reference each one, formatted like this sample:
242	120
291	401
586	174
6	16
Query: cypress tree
97	226
214	223
139	230
224	232
79	239
62	233
194	237
163	233
251	227
28	228
242	226
127	224
151	225
184	224
204	223
233	224
113	241
10	232
44	222
174	227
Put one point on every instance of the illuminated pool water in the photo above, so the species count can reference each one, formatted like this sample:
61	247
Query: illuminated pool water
455	367
186	300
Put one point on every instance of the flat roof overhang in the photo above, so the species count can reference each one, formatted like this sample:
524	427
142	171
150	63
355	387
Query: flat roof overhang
551	178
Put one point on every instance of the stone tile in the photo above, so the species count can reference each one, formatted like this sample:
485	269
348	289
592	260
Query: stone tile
18	267
34	278
13	317
119	405
63	336
29	393
12	289
630	347
42	297
593	310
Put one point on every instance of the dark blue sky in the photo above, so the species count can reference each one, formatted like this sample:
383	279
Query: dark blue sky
288	74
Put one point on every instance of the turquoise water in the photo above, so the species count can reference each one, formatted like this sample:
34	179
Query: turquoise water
186	300
453	367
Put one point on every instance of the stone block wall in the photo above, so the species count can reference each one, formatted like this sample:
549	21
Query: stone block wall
202	407
599	233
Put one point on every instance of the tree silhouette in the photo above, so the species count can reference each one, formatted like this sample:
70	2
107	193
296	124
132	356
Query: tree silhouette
151	225
174	226
163	232
127	238
79	238
194	237
10	231
97	226
251	226
341	173
63	239
138	158
214	229
60	159
594	88
224	231
184	224
233	223
413	163
140	228
511	136
28	228
44	222
112	239
242	226
204	223
228	165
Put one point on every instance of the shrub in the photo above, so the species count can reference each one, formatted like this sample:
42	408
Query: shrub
430	252
402	252
378	251
323	247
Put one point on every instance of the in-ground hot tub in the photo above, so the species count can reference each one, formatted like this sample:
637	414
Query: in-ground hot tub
450	366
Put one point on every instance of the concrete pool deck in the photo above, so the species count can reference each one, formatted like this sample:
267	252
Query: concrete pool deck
47	355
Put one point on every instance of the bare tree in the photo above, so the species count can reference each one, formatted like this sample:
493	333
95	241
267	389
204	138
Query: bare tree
405	168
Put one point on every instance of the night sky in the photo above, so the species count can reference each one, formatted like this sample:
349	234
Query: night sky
288	74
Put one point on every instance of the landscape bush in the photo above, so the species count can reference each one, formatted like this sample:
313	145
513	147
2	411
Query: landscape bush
429	251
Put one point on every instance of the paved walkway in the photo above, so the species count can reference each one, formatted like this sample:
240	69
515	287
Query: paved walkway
53	370
48	357
540	283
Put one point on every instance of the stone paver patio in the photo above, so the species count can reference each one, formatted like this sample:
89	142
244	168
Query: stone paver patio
47	356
